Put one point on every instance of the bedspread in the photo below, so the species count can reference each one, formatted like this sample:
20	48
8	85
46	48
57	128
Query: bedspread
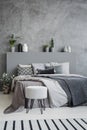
56	95
75	88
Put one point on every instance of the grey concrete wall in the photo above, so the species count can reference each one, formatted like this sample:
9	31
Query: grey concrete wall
37	21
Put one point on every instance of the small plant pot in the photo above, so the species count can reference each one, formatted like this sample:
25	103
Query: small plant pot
47	49
12	49
51	49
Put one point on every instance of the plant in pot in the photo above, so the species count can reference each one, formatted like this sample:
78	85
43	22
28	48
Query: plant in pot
12	42
51	46
46	48
6	82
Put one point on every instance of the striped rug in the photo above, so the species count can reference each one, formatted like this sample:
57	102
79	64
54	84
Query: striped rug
45	124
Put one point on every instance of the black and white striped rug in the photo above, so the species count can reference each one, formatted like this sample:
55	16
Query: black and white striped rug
45	124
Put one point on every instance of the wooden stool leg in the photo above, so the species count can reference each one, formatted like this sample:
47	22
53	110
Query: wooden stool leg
26	105
26	102
31	103
44	104
40	105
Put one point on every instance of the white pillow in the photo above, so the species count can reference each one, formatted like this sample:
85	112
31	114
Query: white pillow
61	68
54	63
37	66
47	65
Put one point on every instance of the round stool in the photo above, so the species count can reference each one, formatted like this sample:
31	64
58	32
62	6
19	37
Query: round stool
35	92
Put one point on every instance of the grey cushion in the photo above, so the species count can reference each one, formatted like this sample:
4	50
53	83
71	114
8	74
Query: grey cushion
46	71
61	69
24	70
37	66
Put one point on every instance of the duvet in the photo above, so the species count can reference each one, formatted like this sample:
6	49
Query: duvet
62	90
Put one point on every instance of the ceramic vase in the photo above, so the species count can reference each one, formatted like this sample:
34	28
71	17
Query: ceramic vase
47	49
25	48
12	49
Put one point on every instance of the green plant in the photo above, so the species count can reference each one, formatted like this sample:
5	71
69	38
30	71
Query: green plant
45	46
12	40
7	79
51	43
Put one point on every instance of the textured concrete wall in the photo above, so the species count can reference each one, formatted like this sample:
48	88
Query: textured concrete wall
37	21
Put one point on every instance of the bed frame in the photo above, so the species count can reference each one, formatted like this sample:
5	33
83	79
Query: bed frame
13	59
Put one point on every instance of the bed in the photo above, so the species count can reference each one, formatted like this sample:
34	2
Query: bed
63	89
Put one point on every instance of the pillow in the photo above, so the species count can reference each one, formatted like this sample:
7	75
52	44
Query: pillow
24	65
54	63
38	66
24	70
61	68
47	65
46	71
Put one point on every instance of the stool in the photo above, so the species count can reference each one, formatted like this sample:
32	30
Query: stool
35	92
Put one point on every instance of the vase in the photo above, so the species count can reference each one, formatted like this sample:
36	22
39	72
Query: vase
12	49
47	49
67	49
19	47
25	48
52	49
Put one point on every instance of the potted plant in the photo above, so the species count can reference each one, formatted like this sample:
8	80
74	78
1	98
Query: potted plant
46	48
51	48
6	82
12	42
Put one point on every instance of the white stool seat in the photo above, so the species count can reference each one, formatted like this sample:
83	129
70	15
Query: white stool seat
36	92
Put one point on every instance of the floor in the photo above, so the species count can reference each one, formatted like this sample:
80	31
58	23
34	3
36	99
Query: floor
62	112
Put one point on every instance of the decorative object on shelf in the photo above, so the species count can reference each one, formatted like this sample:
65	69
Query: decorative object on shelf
25	48
19	47
67	49
51	46
12	42
6	82
45	48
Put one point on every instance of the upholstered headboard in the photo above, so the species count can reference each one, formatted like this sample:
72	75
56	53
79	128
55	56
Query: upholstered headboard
13	59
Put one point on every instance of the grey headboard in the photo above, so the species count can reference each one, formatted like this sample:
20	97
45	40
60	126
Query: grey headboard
13	59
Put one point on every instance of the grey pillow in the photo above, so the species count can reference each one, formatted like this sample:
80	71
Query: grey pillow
61	69
46	71
24	70
37	66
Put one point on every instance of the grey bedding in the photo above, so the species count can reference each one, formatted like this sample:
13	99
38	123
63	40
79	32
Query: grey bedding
72	89
75	88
